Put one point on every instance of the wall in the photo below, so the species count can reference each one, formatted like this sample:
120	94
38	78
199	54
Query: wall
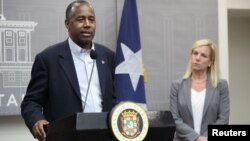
239	48
168	30
239	68
233	45
12	128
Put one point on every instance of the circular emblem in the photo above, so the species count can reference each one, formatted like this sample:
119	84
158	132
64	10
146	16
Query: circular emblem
129	122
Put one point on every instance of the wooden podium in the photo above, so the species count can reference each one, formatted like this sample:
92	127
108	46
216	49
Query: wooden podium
95	127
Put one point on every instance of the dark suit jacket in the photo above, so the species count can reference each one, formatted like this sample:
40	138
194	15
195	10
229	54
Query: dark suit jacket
53	91
215	111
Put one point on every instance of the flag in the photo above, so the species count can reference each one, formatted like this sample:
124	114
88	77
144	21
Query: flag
129	82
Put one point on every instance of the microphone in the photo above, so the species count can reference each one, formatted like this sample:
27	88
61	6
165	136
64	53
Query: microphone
93	55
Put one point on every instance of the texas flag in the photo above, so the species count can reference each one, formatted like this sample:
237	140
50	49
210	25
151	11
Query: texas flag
129	72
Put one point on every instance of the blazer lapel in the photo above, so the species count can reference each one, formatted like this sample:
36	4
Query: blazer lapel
101	63
187	90
209	93
67	63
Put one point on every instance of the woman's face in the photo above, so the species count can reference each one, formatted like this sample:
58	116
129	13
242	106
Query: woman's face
200	58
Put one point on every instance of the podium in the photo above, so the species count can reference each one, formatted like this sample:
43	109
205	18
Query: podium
95	127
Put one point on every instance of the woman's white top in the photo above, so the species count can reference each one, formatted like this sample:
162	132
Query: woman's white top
197	102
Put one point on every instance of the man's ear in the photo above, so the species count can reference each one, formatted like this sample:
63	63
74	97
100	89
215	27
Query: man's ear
66	23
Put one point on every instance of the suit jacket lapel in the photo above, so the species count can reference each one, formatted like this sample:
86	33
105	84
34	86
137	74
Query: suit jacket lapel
67	63
101	63
209	93
187	89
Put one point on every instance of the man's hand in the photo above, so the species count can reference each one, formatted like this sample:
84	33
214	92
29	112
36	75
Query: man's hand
38	130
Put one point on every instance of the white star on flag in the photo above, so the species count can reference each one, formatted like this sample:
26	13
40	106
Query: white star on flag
132	65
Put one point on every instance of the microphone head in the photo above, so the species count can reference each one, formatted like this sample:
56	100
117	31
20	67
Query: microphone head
93	54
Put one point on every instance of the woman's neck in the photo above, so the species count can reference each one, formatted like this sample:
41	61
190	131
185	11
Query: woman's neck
199	77
199	81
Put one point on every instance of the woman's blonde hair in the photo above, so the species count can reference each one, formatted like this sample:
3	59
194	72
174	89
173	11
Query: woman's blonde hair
212	70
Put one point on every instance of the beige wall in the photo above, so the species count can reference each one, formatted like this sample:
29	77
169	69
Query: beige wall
234	49
13	129
239	68
223	39
238	4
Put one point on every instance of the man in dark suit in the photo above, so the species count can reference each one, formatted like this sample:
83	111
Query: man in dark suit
62	73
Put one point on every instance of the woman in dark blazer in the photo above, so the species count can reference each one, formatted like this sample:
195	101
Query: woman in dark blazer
200	98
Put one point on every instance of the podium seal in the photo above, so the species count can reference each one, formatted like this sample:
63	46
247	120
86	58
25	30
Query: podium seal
129	122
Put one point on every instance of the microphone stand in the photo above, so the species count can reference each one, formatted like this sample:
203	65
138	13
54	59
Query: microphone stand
93	56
